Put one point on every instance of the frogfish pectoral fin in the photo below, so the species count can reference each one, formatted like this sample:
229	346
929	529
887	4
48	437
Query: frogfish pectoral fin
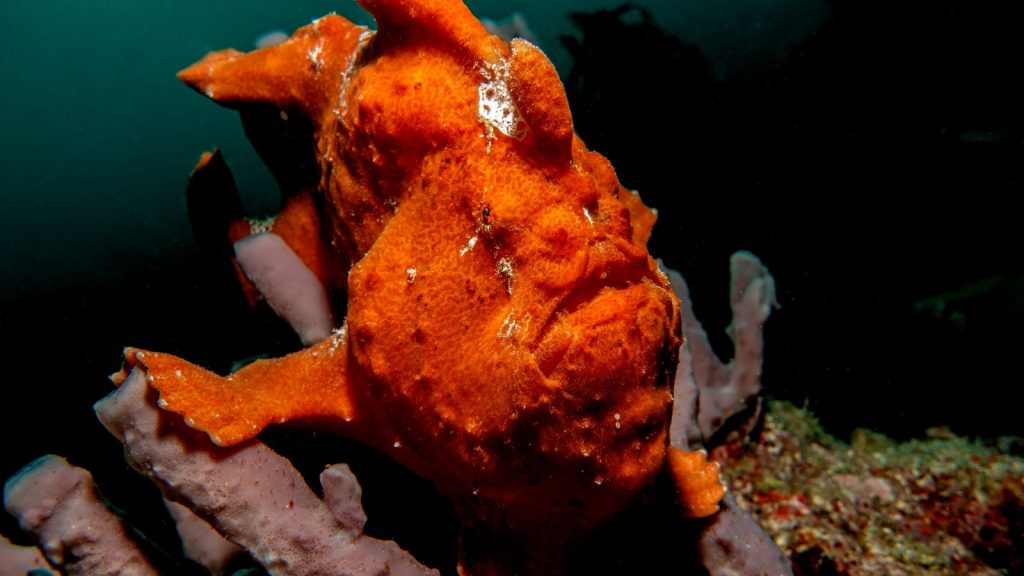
237	407
697	482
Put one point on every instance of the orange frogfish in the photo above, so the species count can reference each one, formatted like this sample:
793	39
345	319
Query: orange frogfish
507	336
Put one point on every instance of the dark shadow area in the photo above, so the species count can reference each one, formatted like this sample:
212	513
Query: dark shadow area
64	343
872	170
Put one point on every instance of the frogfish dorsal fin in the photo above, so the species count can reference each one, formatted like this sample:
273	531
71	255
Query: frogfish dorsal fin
302	73
447	23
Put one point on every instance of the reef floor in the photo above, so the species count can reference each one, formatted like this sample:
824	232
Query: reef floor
939	505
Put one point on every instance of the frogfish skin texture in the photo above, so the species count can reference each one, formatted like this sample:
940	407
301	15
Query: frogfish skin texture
508	336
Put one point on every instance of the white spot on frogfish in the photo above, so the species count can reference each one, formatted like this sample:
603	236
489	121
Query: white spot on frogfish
260	225
504	271
469	246
495	107
316	55
509	327
337	337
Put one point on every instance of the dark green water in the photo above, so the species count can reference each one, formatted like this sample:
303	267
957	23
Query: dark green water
97	134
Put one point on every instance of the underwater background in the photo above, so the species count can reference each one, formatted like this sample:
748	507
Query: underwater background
870	153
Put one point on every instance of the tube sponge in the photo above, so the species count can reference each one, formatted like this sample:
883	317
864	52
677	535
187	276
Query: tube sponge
248	493
58	505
